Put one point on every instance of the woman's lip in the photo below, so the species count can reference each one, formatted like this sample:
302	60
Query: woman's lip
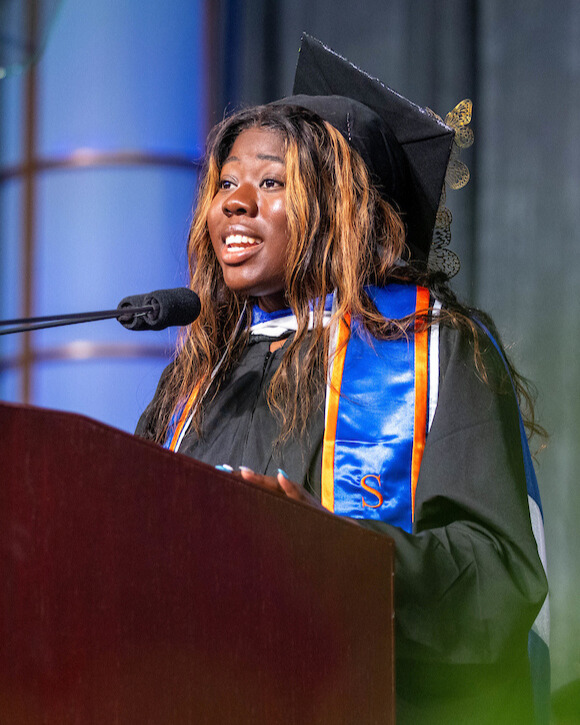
236	256
239	231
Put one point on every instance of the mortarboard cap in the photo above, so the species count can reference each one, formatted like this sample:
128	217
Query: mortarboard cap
405	147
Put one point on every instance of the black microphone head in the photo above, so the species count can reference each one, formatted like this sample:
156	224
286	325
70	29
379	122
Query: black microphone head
134	320
179	306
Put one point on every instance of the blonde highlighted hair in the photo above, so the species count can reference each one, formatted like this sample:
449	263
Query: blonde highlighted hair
342	237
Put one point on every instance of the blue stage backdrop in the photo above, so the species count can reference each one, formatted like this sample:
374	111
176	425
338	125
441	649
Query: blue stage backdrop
119	116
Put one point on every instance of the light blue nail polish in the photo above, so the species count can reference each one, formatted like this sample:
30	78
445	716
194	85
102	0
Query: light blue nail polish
225	467
284	473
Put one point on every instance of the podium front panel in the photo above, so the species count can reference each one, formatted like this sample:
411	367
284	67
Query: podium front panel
140	586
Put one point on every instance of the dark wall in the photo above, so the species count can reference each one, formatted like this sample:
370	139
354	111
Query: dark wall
516	223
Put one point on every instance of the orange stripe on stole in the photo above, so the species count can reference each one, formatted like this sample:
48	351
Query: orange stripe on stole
183	418
421	342
327	482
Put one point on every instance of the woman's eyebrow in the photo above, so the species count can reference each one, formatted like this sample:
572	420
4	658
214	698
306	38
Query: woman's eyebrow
260	157
268	157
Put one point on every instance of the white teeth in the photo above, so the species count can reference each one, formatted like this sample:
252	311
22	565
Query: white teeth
239	242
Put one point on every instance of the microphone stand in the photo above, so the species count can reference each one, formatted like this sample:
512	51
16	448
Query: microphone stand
27	324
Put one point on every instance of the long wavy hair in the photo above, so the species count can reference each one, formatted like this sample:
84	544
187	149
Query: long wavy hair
342	237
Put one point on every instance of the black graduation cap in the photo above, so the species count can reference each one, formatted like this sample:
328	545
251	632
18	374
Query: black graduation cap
405	147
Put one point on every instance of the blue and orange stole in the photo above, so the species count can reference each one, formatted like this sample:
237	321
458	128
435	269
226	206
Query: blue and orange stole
376	413
380	400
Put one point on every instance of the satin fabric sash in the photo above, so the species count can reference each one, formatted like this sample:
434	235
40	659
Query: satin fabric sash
376	414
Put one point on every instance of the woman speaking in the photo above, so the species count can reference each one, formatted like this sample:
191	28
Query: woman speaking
332	363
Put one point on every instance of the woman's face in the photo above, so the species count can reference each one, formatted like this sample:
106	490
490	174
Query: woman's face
247	218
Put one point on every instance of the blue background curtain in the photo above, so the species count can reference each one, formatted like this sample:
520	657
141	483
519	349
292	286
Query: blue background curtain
119	119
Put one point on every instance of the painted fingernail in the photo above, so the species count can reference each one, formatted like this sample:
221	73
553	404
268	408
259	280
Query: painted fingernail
225	467
283	473
245	468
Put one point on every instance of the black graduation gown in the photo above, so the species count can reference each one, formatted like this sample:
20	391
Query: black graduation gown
468	580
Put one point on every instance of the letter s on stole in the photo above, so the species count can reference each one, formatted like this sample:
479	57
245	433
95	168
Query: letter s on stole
374	491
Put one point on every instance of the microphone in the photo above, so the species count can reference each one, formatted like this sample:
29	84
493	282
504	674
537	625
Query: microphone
169	307
153	311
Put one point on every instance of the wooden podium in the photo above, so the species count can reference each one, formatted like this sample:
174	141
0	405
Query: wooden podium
140	586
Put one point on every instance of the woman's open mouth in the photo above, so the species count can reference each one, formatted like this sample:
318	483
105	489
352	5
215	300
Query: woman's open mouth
240	242
239	246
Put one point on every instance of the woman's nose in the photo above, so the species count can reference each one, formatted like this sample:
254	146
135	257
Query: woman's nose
241	201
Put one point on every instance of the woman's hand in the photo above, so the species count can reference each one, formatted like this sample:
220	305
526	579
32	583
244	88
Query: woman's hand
281	484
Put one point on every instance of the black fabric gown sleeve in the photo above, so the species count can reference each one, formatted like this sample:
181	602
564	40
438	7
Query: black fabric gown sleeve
145	424
469	582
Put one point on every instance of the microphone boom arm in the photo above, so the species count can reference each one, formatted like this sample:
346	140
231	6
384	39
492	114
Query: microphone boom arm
28	324
152	311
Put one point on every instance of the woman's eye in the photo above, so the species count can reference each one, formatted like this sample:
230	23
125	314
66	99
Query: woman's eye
272	183
225	184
